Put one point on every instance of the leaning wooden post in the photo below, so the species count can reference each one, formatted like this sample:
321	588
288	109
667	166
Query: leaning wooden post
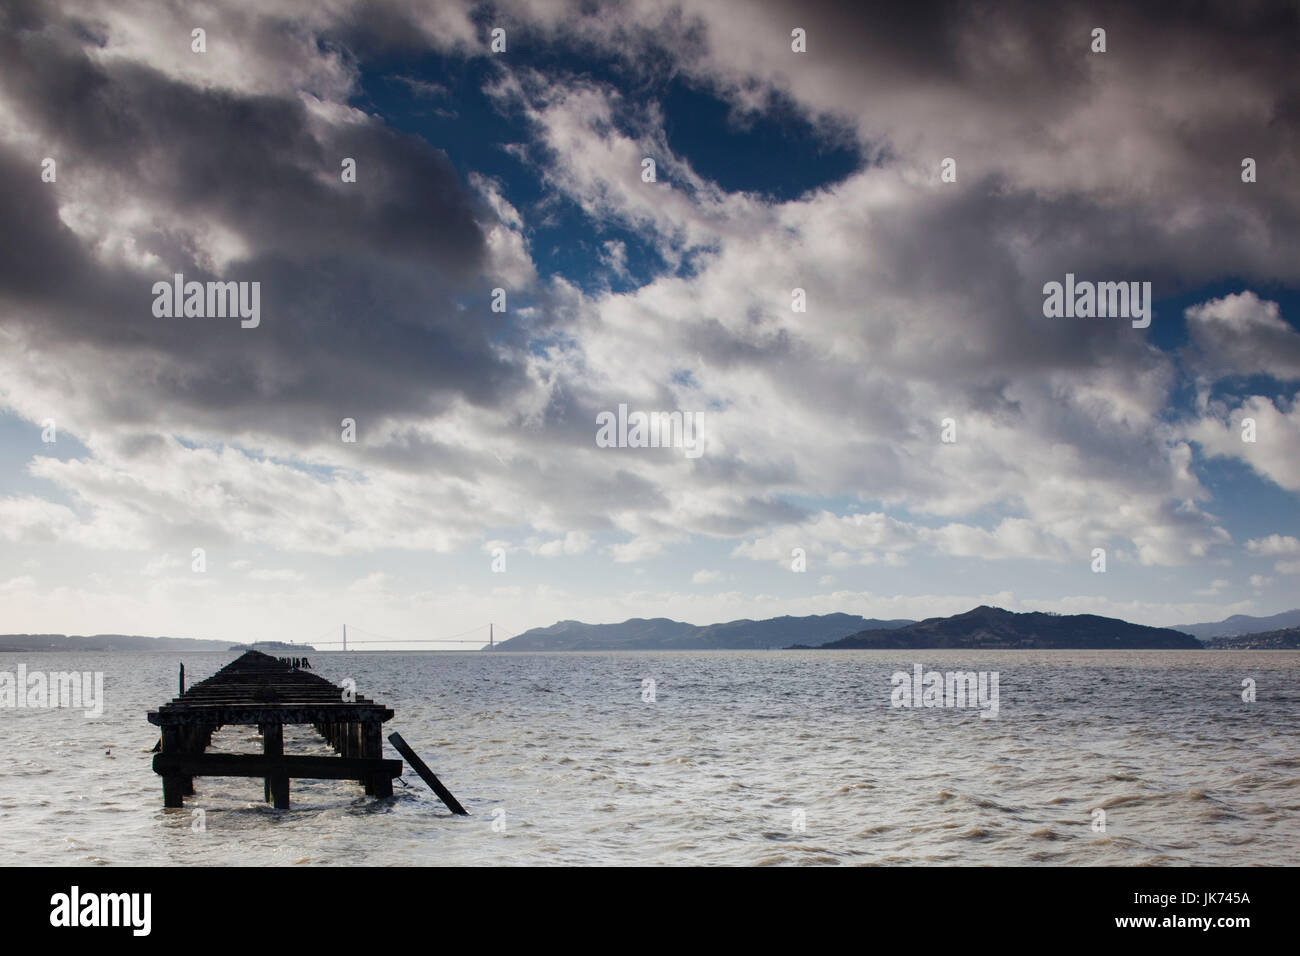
443	793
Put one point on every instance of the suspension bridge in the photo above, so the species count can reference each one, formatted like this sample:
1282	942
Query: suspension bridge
487	640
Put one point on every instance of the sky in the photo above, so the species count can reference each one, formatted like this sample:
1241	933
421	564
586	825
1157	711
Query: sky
820	233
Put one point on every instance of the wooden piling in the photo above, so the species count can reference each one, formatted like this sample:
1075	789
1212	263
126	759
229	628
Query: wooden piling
174	784
273	746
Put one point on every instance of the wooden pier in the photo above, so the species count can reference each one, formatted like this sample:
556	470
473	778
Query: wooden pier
266	692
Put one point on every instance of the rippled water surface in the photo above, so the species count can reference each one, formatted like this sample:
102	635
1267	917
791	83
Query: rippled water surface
560	761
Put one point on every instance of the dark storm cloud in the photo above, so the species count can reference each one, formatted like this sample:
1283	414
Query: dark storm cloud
1183	92
360	282
929	40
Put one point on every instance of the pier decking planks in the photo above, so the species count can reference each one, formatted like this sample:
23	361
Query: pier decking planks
261	690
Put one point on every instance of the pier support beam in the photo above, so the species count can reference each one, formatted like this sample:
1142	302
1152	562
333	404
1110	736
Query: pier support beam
175	786
280	791
273	746
372	748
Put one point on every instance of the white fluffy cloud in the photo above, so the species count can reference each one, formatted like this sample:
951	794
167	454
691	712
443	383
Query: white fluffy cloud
1275	452
1243	334
1274	544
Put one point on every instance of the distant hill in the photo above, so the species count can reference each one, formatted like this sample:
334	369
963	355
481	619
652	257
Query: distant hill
105	642
993	627
660	633
1285	639
1242	624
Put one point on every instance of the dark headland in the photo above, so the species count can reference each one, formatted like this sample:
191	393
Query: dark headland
662	634
987	627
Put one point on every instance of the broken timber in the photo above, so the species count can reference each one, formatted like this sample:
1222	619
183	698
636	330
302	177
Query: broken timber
429	777
258	689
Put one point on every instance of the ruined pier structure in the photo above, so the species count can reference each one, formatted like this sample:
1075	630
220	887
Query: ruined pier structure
260	690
